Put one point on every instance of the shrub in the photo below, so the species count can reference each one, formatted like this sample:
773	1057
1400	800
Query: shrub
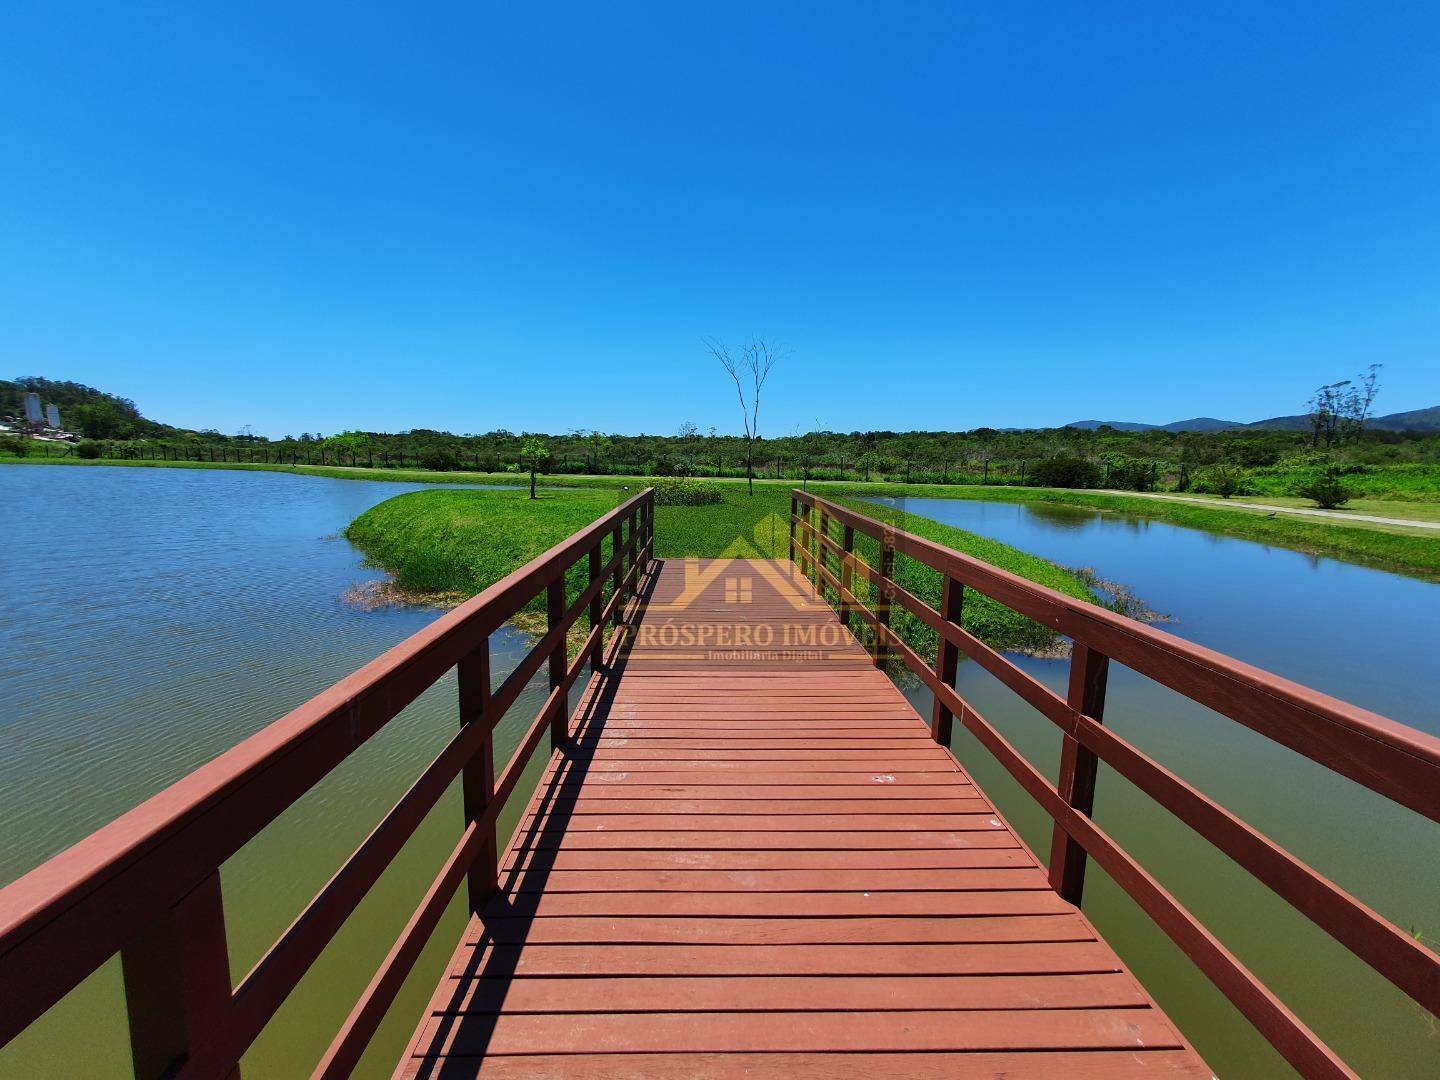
1326	491
88	450
9	444
439	459
1064	472
686	491
1222	480
1132	474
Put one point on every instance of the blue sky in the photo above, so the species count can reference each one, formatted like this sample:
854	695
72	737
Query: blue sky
324	216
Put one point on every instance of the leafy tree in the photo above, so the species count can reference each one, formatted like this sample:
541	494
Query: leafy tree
1326	491
100	420
534	453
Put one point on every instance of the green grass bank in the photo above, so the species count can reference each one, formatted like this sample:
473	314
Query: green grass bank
453	544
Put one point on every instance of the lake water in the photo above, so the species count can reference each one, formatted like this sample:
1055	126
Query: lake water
154	618
1362	635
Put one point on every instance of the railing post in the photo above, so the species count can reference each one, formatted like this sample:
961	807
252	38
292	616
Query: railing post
617	542
177	989
947	659
1088	671
554	616
597	608
847	574
477	778
820	550
794	513
884	594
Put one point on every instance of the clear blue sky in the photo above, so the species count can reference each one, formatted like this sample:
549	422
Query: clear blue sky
471	216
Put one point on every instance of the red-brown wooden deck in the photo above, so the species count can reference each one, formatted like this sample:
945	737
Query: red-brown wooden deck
753	860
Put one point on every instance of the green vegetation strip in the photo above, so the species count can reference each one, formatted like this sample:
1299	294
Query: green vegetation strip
455	543
1383	547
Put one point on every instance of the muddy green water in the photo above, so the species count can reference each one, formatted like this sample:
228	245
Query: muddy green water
1359	634
153	618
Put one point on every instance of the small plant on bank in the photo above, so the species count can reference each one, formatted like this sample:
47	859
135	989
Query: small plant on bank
1326	492
534	453
9	444
686	491
88	450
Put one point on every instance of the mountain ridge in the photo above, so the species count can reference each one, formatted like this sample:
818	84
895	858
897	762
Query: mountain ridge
1426	420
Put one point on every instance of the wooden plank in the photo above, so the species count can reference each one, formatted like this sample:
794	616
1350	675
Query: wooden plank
960	1031
1009	868
754	867
723	960
824	823
753	841
571	859
1037	901
864	808
1002	1065
873	993
611	930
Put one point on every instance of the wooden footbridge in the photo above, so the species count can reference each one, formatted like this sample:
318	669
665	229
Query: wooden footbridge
748	855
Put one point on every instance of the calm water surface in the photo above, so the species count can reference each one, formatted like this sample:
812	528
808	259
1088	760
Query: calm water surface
154	618
1362	635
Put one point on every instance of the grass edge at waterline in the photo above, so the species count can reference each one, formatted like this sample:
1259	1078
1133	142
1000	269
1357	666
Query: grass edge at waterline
1397	550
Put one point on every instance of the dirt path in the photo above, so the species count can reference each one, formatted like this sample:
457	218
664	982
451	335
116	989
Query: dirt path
1302	511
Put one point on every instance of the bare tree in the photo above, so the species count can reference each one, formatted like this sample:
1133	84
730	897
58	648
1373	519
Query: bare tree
750	368
1324	413
1359	399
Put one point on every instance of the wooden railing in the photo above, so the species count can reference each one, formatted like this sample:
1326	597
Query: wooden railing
1393	760
148	884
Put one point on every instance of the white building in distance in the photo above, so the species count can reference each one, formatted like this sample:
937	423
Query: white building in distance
52	415
32	409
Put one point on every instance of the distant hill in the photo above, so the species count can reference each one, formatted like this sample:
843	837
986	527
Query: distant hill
1414	420
1118	425
1425	420
82	408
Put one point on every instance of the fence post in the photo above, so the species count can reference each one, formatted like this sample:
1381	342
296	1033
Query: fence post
1088	671
554	616
884	594
477	778
847	574
947	659
177	989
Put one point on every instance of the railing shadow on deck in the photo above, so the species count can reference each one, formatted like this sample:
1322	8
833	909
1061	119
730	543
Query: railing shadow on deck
148	884
532	865
1395	761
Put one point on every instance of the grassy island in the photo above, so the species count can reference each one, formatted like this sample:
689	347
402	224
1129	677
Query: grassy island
450	544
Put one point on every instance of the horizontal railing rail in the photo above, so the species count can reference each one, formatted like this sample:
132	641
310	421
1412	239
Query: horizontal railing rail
1395	761
148	884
